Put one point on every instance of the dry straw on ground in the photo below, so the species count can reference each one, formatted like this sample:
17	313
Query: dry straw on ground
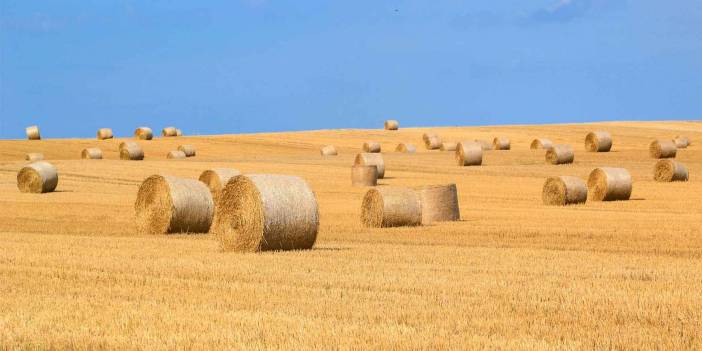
263	212
392	124
391	207
598	141
144	133
662	149
406	148
501	144
670	171
431	141
176	154
91	153
188	150
681	142
609	184
328	150
215	180
469	153
34	156
560	154
371	146
484	144
104	133
169	132
368	159
37	177
439	203
540	143
362	175
33	133
564	190
448	146
131	151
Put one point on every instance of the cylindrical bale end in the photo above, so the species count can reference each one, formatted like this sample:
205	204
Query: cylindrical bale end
609	184
439	203
169	132
564	190
598	141
215	180
681	142
33	133
364	175
501	144
34	157
144	133
540	143
328	150
131	151
38	177
91	153
670	171
371	146
188	150
176	154
484	144
369	159
392	124
560	154
662	149
406	148
469	153
431	141
104	133
391	207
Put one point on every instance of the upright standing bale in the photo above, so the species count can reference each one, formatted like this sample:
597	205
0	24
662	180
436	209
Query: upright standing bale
168	204
38	177
564	190
188	150
670	171
439	203
34	156
501	144
431	141
681	142
328	150
104	133
144	133
469	153
364	175
598	141
484	144
540	143
179	132
169	132
392	124
176	154
662	149
33	133
448	146
371	146
391	207
91	153
368	159
131	151
406	148
262	212
560	154
215	180
609	184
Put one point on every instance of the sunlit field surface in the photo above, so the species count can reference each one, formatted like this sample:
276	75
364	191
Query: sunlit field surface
512	274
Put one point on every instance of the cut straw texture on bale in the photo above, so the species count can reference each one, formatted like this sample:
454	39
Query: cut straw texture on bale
34	156
609	184
37	177
681	142
328	150
168	204
560	154
144	133
215	180
670	171
431	141
188	150
263	212
469	153
169	132
368	159
176	154
33	133
392	124
439	203
484	144
541	143
564	190
131	151
104	133
598	141
662	149
448	146
501	144
371	146
91	153
362	175
406	148
391	207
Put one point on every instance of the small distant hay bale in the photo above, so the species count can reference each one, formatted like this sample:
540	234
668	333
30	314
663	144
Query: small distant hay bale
126	144
362	175
179	132
439	203
371	146
169	132
670	171
263	212
91	153
681	142
469	153
501	144
540	143
215	180
369	159
662	149
104	133
431	141
391	207
392	124
34	156
564	190
328	150
609	184
33	133
448	146
484	144
598	141
168	204
406	148
38	177
560	154
131	151
144	133
176	154
188	150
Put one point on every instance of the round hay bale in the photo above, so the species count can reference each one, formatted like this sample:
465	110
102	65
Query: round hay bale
328	150
126	144
448	146
176	154
91	153
439	203
540	143
188	150
215	180
38	177
564	190
501	144
169	132
33	133
469	153
131	151
168	204
598	141
406	148
362	175
262	212
368	159
662	149
484	144
392	124
34	156
179	132
670	171
371	146
391	207
609	184
681	141
560	154
431	141
104	133
144	133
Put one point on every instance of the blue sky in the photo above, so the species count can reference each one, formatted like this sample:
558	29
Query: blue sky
264	65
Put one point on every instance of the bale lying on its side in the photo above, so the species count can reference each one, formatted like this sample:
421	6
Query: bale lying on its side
215	180
176	154
104	133
168	204
364	175
371	146
169	132
328	150
91	153
681	142
392	124
439	203
262	212
662	149
131	151
560	154
407	148
391	207
188	150
469	153
484	144
598	141
501	144
368	159
179	132
564	190
33	133
126	144
144	133
431	141
670	171
34	156
539	143
448	146
609	184
38	177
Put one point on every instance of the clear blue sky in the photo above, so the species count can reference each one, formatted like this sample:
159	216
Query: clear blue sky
265	65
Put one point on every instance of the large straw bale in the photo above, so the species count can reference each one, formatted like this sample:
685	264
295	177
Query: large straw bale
406	148
216	179
34	156
144	133
188	150
564	190
104	133
431	141
37	177
371	146
91	153
681	142
501	144
362	175
598	141
662	149
392	124
391	207
540	143
33	133
439	203
560	154
609	184
670	171
369	159
131	151
469	153
176	154
169	132
484	144
328	150
448	146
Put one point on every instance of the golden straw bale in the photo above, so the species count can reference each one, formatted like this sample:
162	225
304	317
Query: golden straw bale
662	149
188	150
598	141
371	146
144	133
104	133
391	207
484	144
362	175
328	150
38	177
439	203
609	184
469	153
406	148
392	124
564	190
33	133
215	179
126	144
169	132
448	146
179	132
176	154
501	144
91	153
131	151
34	156
540	143
560	154
670	171
368	159
431	141
681	142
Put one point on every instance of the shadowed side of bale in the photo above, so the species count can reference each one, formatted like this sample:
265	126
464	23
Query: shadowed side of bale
263	212
431	141
681	142
368	159
439	203
364	175
662	149
131	151
104	133
37	177
392	124
188	150
670	171
501	144
484	144
406	148
560	154
215	180
448	146
176	154
33	133
328	150
144	133
391	207
469	153
371	146
609	184
540	143
168	204
34	156
91	153
564	190
169	132
598	141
